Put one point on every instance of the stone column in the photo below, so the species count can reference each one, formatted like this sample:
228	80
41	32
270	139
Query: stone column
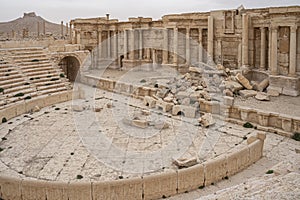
100	44
140	44
62	28
187	47
38	29
153	56
165	47
67	30
44	28
175	58
70	27
269	48
125	44
274	46
78	38
200	45
293	50
240	54
245	40
131	53
262	48
148	53
219	52
13	33
116	45
210	40
108	45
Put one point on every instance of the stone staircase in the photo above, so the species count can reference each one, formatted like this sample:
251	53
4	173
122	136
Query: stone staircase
28	72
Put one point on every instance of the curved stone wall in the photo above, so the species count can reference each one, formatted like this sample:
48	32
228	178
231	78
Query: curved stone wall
146	187
27	106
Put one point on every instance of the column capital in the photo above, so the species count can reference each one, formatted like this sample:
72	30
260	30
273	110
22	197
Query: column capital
262	29
274	28
293	28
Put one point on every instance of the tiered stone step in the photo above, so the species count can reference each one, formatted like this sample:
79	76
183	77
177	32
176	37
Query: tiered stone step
33	75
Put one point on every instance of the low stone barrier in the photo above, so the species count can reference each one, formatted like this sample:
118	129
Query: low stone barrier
267	121
27	106
146	187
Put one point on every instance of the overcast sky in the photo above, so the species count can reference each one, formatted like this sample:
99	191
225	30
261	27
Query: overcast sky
65	10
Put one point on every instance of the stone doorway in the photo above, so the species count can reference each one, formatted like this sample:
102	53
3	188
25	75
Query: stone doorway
70	66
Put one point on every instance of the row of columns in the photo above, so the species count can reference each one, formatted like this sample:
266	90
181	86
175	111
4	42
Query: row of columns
188	48
165	56
273	47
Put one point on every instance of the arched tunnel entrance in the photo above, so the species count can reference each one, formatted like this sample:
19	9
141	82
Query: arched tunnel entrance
70	66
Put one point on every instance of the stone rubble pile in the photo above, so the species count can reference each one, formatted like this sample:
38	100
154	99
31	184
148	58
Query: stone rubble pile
235	83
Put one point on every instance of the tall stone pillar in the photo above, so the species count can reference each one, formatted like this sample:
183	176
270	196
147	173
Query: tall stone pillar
175	58
269	48
240	49
131	53
38	29
165	47
262	48
200	45
219	52
70	27
67	30
125	44
148	54
62	28
100	44
108	44
274	46
187	47
210	40
153	56
13	33
44	28
78	38
245	40
140	44
116	45
293	50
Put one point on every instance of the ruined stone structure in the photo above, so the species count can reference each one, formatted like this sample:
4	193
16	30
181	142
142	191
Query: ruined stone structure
267	41
151	133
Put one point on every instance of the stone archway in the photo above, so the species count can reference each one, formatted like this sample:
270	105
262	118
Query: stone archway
70	66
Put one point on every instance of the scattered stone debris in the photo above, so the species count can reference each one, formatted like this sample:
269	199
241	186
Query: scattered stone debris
273	93
247	93
244	81
36	109
185	162
263	85
262	96
206	120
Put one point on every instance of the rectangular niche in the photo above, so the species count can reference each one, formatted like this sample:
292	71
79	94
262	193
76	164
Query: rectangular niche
229	18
